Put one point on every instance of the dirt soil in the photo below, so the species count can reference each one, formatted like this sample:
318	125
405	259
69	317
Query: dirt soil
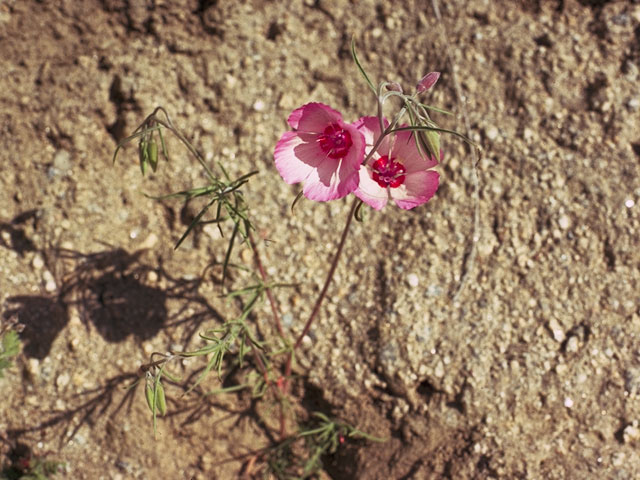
510	350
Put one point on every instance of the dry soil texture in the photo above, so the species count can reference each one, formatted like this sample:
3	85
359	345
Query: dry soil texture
532	372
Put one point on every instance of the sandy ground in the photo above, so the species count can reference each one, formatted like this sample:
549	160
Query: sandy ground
513	356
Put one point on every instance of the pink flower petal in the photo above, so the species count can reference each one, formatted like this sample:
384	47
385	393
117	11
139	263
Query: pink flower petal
313	117
332	179
370	128
330	182
294	158
300	156
407	152
369	191
418	188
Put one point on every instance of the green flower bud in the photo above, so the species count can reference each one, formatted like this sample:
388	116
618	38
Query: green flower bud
148	393
152	154
161	401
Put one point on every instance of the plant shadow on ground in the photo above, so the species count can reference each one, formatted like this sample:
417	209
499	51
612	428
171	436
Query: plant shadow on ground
108	289
121	296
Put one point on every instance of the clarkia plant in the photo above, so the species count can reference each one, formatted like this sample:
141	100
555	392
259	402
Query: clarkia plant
379	159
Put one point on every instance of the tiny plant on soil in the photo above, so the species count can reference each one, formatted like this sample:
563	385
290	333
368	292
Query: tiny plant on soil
382	162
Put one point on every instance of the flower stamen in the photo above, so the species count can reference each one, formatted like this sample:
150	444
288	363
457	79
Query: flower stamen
335	141
388	172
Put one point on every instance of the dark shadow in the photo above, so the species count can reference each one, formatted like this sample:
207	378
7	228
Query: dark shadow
109	290
343	463
42	317
18	239
93	404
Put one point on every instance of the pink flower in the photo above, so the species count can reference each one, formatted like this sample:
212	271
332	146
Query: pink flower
396	171
322	151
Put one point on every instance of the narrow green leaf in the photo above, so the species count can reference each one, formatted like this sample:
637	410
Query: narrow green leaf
165	152
359	65
436	109
227	256
416	128
195	221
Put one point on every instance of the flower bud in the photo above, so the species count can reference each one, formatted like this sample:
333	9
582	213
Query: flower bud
148	393
427	81
161	402
394	86
152	154
143	155
431	142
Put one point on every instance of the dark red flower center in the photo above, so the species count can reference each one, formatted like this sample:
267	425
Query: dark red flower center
335	141
388	172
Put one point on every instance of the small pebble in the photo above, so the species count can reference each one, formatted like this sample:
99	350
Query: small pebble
37	262
630	433
572	344
33	368
49	282
568	402
150	241
259	106
492	133
556	329
617	459
62	162
633	104
63	380
564	222
147	348
247	256
73	343
413	280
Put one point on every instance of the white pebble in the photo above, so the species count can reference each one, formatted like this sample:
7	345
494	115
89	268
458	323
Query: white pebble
259	106
556	330
572	344
150	241
630	433
147	348
565	222
492	133
49	282
37	262
629	203
568	402
63	380
33	368
413	280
